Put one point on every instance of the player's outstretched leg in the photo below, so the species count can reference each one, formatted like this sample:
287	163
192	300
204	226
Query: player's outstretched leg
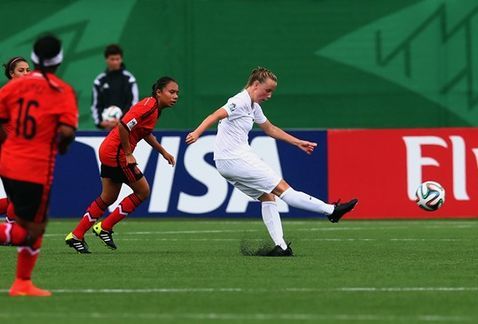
304	201
104	229
299	199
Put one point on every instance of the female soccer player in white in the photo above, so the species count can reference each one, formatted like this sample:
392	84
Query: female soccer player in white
236	161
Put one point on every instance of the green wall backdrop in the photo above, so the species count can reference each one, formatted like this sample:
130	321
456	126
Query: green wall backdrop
340	63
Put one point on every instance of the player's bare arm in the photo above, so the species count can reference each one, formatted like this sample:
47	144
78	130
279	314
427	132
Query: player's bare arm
210	120
277	133
66	135
124	139
153	141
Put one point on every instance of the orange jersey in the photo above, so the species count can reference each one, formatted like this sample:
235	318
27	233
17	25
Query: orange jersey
139	121
31	111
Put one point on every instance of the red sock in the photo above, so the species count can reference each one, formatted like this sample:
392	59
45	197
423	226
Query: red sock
126	206
12	234
3	205
27	258
95	211
10	217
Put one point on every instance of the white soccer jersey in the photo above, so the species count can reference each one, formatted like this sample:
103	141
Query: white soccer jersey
232	139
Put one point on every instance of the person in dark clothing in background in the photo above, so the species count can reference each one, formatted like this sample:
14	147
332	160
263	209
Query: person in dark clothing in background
114	87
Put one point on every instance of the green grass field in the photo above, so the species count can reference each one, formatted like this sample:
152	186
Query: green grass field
192	271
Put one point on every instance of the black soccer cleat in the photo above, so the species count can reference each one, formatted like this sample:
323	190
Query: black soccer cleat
80	246
341	209
277	251
105	236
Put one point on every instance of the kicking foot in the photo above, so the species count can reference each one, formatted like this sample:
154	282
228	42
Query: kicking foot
341	209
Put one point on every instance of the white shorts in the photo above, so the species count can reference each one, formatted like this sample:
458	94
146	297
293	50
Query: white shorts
250	174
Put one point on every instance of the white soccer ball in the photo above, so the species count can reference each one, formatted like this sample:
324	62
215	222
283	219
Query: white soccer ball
430	195
112	113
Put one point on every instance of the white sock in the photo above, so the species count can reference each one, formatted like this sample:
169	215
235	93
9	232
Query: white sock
270	216
302	200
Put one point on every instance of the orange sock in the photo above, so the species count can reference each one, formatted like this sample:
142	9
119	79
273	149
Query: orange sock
27	258
126	206
93	213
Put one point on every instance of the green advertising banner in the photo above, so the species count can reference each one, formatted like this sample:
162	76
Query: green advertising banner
340	64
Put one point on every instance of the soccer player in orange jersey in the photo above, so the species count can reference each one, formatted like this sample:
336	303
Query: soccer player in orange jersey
16	67
38	115
118	165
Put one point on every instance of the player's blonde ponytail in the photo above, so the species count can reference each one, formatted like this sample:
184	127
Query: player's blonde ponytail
260	74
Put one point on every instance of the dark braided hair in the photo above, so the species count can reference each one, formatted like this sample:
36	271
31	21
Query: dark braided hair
12	64
46	48
161	84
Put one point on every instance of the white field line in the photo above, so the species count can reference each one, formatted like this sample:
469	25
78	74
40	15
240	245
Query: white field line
241	316
171	232
389	239
157	233
302	239
310	229
119	239
381	228
320	221
260	290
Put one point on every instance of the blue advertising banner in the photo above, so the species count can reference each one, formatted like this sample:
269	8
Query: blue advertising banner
193	188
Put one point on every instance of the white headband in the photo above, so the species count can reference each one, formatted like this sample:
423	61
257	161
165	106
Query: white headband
49	62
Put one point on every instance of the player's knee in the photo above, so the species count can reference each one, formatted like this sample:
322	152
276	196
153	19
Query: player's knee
108	199
34	234
267	197
143	194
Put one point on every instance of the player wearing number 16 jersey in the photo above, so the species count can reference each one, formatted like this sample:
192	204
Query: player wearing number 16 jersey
38	115
34	110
